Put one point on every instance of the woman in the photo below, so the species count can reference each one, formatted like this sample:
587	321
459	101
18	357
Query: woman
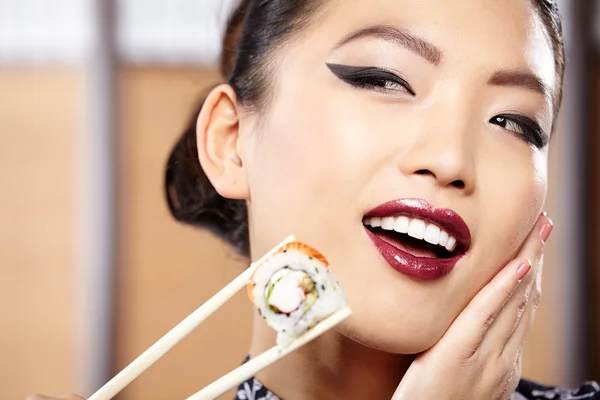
337	119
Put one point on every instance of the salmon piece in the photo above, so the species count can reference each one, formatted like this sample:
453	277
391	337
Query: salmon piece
306	249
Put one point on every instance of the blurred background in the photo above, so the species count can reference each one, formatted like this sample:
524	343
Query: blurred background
93	270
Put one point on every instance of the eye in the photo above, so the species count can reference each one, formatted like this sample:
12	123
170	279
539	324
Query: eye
509	125
523	127
371	78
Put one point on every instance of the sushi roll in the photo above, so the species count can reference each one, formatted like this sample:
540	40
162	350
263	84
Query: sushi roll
294	290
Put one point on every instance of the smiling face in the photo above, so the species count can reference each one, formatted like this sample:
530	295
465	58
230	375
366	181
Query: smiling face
448	102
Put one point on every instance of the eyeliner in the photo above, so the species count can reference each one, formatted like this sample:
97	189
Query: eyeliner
365	76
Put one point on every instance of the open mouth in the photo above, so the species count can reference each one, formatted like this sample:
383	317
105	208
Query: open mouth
414	236
417	239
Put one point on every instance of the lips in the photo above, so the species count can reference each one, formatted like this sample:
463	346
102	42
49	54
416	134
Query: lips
421	264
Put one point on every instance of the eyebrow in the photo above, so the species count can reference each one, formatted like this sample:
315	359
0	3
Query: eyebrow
434	55
399	36
522	79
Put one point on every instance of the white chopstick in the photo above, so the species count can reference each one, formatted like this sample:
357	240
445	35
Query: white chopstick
255	365
179	332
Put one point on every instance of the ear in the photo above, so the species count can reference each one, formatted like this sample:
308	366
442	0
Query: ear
217	135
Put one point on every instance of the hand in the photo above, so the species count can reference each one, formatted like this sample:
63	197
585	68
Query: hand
63	397
479	357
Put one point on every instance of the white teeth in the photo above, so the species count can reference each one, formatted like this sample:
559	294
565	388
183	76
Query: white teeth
387	223
416	229
443	239
402	224
432	234
451	244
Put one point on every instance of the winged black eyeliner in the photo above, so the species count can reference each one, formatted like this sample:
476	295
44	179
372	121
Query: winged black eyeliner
360	76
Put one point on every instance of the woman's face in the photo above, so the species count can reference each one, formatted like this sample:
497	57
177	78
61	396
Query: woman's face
460	133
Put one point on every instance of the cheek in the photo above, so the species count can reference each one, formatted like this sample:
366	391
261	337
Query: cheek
527	197
511	191
307	165
513	196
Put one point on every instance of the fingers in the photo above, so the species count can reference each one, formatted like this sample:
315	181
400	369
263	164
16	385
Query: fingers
513	380
62	397
512	311
499	319
519	336
483	309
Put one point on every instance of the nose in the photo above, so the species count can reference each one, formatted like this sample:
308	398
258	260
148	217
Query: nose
442	150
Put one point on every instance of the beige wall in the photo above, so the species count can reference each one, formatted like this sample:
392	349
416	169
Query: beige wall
38	123
165	270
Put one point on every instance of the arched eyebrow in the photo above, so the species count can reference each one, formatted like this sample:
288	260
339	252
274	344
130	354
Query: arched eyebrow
428	51
402	37
522	79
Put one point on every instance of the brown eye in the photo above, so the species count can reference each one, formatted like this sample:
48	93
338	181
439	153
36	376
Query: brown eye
509	124
388	84
523	127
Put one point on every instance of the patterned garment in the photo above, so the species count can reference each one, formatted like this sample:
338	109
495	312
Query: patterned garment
254	390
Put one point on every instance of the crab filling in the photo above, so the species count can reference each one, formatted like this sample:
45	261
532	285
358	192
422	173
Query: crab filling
288	290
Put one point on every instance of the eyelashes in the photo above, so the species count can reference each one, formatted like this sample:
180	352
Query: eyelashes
383	80
523	127
371	78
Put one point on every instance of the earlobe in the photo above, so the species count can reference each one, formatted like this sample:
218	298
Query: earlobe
217	134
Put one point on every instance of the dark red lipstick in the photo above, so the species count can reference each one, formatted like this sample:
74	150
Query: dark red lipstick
426	268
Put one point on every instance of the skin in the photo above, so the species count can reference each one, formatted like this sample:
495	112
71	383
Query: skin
322	154
308	167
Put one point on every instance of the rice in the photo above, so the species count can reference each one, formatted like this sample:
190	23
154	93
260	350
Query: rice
294	290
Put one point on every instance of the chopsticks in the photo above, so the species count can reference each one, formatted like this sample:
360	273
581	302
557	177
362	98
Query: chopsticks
189	324
179	332
274	354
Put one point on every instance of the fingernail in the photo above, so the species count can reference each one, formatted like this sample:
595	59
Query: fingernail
544	214
523	270
546	231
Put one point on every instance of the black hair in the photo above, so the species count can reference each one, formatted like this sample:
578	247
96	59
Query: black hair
253	33
550	15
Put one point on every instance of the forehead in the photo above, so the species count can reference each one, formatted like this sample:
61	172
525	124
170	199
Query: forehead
487	35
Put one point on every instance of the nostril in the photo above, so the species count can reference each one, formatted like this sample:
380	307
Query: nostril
424	172
458	184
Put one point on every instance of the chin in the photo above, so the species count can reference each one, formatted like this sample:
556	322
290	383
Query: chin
390	339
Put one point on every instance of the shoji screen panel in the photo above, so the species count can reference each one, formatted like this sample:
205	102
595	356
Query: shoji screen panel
39	122
166	270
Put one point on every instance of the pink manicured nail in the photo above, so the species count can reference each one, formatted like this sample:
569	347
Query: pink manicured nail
546	231
523	270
